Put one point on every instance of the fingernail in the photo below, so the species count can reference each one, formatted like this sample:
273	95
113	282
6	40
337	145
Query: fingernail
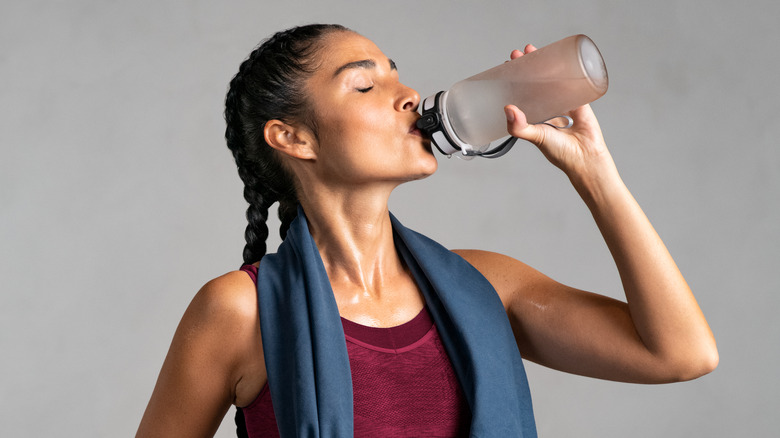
510	115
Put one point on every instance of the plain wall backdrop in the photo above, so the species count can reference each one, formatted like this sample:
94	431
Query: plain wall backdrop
119	198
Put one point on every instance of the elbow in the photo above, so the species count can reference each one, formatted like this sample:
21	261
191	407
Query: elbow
709	361
704	365
694	364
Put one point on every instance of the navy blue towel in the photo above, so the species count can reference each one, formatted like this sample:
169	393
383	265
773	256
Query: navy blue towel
306	353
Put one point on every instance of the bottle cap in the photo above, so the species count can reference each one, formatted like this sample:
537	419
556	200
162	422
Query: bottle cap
435	123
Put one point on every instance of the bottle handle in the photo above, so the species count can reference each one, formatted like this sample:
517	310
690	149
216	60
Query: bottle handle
569	122
499	150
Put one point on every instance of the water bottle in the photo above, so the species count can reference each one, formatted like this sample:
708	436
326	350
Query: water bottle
544	84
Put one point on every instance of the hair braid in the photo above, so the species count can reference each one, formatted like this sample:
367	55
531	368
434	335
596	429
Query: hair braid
270	85
288	210
256	232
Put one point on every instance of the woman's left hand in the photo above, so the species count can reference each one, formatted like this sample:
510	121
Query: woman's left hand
574	150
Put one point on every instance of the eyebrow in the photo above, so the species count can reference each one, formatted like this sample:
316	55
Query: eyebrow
364	63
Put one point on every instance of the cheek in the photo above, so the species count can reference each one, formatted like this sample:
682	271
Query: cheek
365	120
341	144
355	129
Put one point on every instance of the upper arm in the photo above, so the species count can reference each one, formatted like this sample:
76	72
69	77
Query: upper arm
209	356
566	328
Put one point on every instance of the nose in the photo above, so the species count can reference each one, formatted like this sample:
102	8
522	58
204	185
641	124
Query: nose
408	99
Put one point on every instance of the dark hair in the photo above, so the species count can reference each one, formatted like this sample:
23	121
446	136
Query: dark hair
270	85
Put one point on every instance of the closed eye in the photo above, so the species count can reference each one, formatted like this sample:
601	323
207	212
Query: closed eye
365	90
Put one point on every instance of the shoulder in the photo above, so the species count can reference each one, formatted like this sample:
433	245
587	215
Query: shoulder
497	267
224	308
229	296
222	323
223	315
215	359
509	276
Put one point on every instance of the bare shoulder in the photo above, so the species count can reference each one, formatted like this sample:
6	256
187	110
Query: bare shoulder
508	275
224	314
221	326
215	360
230	298
488	260
225	308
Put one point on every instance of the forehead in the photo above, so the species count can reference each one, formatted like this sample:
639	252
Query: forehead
344	47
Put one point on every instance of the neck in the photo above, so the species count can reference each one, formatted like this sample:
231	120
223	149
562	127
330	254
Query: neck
355	238
352	229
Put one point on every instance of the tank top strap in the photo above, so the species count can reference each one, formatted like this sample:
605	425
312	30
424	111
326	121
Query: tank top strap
252	271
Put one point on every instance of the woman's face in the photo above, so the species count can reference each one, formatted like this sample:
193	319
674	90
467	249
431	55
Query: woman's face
365	116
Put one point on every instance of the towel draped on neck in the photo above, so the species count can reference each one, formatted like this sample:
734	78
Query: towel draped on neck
306	354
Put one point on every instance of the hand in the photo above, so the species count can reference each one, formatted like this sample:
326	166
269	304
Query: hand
574	150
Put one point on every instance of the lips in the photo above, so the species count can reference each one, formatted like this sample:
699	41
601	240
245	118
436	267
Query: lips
414	130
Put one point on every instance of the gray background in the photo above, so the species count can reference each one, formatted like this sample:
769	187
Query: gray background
118	198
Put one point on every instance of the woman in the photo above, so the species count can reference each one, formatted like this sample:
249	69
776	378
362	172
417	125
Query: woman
329	138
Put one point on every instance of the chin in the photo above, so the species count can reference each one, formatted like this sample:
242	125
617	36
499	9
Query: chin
429	166
434	166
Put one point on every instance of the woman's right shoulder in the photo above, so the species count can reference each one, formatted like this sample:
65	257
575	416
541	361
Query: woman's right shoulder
215	359
224	314
232	294
222	319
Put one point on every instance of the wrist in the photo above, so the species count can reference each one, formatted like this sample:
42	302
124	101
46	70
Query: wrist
596	180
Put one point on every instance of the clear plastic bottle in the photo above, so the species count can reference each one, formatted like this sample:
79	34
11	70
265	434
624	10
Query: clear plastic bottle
543	84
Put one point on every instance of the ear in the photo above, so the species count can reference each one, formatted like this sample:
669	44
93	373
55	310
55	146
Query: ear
290	140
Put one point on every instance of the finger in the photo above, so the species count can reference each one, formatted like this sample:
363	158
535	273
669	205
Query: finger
515	54
583	116
517	126
585	121
584	111
529	48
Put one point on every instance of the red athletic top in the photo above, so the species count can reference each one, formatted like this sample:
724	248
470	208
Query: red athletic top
403	384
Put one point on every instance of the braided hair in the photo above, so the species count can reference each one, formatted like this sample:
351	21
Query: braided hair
270	85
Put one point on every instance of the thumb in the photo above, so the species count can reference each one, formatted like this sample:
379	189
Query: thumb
517	126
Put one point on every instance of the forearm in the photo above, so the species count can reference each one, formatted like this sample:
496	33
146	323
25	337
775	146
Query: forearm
665	313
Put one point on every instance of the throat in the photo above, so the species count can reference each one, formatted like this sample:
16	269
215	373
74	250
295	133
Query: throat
388	306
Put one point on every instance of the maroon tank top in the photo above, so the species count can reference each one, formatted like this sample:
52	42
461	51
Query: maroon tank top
403	384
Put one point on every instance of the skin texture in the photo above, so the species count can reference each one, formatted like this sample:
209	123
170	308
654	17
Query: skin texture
364	148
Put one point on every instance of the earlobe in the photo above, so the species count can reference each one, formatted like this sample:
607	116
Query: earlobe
289	140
